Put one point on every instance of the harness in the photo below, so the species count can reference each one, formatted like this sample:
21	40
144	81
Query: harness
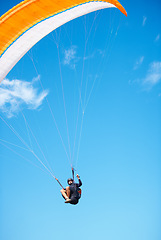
79	190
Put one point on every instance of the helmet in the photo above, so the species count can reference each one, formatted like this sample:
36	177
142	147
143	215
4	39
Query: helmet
69	179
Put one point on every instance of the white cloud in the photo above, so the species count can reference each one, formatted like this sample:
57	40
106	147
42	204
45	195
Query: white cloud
144	20
153	75
16	93
70	57
138	63
157	38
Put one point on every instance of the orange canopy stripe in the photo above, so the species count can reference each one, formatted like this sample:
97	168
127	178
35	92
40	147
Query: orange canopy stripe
30	12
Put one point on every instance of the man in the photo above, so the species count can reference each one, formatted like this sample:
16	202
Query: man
71	193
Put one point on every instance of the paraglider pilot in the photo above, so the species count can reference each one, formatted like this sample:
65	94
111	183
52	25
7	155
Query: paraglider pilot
72	193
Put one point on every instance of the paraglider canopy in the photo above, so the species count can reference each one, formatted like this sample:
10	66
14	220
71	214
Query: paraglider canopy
31	20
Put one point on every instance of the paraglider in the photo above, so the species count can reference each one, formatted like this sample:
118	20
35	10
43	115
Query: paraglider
72	193
25	25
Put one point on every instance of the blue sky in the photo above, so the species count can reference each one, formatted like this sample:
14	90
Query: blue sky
117	146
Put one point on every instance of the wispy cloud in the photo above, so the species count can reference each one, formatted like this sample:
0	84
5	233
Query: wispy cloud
97	53
70	57
91	56
157	38
153	75
16	94
144	21
139	62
